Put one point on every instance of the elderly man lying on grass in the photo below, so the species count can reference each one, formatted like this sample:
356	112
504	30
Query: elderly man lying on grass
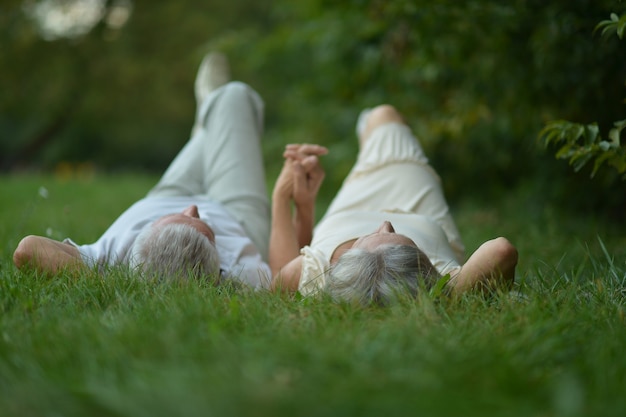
208	216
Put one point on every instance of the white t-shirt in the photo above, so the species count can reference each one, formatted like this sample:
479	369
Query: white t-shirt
239	257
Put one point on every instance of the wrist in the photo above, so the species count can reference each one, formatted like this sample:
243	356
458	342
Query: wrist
304	215
281	198
281	208
305	207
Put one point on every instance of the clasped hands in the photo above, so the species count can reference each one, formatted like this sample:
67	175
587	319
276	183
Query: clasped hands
302	175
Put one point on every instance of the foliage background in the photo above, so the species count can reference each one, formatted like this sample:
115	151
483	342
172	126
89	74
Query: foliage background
477	80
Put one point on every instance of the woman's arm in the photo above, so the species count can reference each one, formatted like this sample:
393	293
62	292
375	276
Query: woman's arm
307	180
46	256
491	266
288	277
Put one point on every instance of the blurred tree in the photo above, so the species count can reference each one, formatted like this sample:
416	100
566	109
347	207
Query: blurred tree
120	96
477	80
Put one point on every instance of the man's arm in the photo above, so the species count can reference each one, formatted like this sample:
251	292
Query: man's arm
283	235
491	266
46	256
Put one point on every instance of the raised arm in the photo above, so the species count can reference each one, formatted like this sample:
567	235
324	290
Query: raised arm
283	237
298	182
491	266
308	179
46	256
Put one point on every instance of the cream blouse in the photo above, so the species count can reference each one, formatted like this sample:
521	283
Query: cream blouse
425	232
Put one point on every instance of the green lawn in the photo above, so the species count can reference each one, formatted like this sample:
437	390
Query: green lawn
118	347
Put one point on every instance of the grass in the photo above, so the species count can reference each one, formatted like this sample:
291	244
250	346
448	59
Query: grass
120	347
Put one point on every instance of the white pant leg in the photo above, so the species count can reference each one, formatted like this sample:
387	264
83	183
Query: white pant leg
223	161
392	174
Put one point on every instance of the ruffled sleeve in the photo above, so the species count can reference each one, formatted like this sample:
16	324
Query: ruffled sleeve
313	274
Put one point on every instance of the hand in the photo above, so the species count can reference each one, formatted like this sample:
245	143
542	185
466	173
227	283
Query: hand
308	174
299	180
283	189
302	150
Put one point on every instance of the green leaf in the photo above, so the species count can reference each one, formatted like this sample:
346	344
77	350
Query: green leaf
606	26
578	130
619	163
565	152
604	145
608	30
620	30
620	124
614	136
550	133
552	136
591	133
579	160
438	289
598	163
621	26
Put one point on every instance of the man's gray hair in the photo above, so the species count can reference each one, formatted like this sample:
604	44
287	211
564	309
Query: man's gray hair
380	276
175	251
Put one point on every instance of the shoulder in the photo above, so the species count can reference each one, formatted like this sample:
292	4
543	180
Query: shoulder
288	278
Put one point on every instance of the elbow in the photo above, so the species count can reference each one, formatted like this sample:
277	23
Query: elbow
23	254
506	258
506	252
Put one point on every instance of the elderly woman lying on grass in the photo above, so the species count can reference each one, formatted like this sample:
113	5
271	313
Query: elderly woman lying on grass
388	230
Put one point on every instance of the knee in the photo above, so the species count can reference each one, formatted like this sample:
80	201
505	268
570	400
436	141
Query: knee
384	113
381	115
237	94
235	89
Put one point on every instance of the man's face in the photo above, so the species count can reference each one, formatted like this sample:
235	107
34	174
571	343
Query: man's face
190	217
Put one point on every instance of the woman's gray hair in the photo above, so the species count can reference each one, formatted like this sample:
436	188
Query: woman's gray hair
174	251
380	276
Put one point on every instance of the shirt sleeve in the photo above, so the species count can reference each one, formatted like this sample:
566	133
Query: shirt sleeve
314	269
93	254
257	276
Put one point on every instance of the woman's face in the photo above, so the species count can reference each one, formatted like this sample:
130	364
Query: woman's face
384	235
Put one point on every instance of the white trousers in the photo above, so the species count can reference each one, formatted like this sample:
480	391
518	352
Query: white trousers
223	161
392	174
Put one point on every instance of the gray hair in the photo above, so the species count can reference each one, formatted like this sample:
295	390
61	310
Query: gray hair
174	251
380	276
